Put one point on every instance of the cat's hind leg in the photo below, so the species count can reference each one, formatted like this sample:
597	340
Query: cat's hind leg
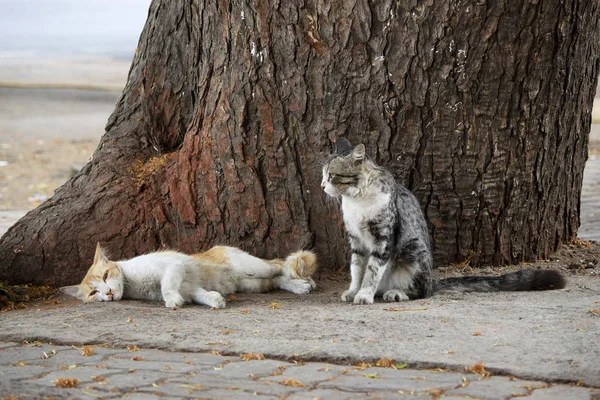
297	286
395	295
211	299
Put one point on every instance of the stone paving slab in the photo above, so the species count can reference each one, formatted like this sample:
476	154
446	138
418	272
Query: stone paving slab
228	377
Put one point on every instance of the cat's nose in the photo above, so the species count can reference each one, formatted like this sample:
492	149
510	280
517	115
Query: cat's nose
109	294
323	184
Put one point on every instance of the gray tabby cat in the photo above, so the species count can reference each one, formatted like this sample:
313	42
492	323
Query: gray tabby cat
391	247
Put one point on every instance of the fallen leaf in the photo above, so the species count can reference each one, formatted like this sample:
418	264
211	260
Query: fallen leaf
401	366
66	382
371	376
595	311
274	305
385	363
132	348
98	378
291	382
88	351
478	368
226	331
19	364
231	298
129	320
136	358
476	333
252	356
362	365
405	309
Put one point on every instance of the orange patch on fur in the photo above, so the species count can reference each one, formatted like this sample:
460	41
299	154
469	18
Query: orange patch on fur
215	255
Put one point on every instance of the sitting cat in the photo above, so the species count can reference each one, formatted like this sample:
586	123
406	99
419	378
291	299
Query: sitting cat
390	243
203	278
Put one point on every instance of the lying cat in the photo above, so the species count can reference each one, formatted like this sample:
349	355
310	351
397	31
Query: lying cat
203	278
391	248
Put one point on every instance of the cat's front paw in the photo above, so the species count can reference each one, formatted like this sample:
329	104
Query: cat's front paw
363	297
348	295
215	299
395	295
173	300
299	286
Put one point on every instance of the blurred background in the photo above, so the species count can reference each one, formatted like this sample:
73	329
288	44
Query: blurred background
63	64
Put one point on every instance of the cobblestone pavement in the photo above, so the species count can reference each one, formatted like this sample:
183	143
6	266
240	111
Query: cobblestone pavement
43	370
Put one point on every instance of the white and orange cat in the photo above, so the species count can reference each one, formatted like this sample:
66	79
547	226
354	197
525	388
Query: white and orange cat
202	278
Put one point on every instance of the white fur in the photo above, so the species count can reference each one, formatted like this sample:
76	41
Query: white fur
356	213
169	276
177	278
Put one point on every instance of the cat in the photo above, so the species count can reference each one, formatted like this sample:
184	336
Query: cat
202	278
390	243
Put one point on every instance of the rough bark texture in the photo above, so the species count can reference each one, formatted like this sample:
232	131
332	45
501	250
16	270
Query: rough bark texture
482	108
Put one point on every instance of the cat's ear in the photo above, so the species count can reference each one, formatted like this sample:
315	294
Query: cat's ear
99	256
342	145
359	152
71	290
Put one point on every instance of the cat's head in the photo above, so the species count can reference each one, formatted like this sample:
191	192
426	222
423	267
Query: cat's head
103	281
343	173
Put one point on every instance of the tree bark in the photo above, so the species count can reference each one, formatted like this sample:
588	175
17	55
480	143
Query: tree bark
482	109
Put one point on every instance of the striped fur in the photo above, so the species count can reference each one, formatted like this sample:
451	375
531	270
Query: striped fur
390	243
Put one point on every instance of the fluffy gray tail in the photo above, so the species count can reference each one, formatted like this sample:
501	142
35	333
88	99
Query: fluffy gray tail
524	280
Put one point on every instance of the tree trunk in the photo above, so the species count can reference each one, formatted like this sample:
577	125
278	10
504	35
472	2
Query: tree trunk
481	108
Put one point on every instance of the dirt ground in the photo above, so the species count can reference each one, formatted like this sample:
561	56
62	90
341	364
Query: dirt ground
31	169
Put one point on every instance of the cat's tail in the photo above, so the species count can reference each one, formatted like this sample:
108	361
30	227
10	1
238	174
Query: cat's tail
523	280
300	265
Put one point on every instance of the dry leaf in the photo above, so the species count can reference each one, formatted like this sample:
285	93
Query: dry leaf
478	368
19	364
226	331
595	311
231	298
405	309
385	363
363	365
136	358
476	333
132	348
129	320
66	382
291	382
274	305
215	353
88	351
98	378
252	356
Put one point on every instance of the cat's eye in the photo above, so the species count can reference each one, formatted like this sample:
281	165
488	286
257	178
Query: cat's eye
105	276
93	292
